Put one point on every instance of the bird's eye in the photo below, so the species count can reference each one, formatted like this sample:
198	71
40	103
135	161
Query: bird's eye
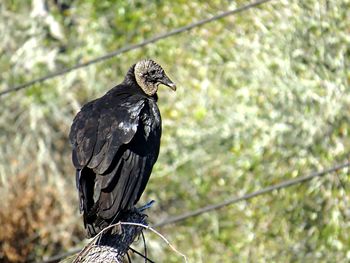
153	71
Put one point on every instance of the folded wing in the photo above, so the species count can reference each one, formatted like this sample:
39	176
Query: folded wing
112	155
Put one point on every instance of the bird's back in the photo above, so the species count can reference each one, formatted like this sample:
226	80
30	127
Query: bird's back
115	142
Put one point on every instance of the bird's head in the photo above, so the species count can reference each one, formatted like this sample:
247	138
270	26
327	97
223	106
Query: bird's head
149	75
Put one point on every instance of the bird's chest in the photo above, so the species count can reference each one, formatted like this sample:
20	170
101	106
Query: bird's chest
151	121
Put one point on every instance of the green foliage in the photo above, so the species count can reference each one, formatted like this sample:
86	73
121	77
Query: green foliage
262	96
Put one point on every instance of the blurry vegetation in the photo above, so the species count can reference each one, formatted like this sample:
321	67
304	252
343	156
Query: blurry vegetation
262	96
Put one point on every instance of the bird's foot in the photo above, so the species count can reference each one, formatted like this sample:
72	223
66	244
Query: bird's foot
146	206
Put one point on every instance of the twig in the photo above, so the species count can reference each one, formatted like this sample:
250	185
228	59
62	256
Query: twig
92	242
144	244
138	253
127	255
157	233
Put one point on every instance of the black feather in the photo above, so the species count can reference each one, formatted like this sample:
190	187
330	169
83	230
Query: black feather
115	142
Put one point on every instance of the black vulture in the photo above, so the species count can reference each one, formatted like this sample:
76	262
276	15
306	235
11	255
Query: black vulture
116	141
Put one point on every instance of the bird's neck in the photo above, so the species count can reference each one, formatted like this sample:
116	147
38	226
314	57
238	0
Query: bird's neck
131	81
130	76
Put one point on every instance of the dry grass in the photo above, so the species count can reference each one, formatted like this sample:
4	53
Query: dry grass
31	214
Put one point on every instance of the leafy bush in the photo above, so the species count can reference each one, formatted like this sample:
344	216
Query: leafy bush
262	97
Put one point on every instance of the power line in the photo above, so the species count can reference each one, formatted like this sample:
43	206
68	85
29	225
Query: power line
248	196
184	216
134	46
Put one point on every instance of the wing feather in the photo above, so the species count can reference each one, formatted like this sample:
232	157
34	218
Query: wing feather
115	145
83	135
123	190
100	129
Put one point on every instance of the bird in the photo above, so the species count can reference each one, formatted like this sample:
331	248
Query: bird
115	143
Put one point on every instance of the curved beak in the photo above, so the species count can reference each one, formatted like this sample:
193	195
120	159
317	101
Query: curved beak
167	82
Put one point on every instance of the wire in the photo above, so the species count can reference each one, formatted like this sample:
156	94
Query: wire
248	196
184	216
134	46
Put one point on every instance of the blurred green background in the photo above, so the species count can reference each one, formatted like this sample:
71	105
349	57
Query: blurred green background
263	96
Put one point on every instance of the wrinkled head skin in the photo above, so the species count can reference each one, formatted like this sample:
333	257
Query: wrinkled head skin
149	75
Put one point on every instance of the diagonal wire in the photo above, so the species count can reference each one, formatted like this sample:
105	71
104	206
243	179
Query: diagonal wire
184	216
265	190
134	46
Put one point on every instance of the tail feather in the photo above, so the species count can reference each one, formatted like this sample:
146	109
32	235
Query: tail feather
95	224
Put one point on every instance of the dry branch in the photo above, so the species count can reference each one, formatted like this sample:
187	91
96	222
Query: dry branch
112	244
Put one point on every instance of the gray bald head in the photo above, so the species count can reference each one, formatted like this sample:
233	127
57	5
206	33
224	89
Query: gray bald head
149	75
